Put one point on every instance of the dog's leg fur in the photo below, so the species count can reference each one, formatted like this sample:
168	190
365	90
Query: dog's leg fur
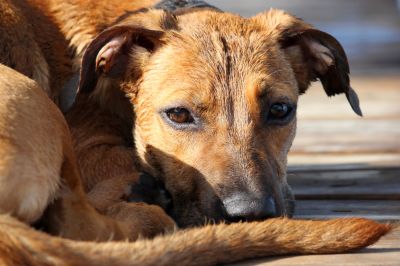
210	245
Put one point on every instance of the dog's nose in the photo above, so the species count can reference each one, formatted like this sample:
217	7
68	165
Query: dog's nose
244	208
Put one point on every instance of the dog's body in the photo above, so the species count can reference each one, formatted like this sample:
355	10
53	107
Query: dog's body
36	165
214	144
25	34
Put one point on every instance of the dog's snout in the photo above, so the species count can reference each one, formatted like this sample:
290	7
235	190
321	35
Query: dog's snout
245	208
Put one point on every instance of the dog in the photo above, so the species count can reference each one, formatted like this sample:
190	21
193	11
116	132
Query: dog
219	146
215	123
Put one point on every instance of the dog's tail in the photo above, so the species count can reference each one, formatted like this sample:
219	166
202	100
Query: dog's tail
209	245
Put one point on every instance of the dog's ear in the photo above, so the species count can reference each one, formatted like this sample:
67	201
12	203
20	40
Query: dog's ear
313	54
119	55
112	51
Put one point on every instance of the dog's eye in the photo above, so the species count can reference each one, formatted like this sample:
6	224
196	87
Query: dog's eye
179	115
279	110
280	113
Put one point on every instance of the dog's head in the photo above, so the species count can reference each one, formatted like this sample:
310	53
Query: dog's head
215	98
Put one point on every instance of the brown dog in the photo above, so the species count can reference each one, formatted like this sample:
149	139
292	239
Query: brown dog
239	119
214	99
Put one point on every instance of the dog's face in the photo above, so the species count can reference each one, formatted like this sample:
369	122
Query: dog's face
215	99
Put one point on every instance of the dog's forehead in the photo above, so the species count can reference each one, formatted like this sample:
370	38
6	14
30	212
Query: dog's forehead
231	49
219	59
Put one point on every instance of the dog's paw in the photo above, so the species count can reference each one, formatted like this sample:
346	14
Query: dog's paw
150	191
141	219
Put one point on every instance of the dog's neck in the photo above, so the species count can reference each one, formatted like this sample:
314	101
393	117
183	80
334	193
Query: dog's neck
177	5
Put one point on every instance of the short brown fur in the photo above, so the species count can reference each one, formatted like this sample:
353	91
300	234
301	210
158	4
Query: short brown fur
117	130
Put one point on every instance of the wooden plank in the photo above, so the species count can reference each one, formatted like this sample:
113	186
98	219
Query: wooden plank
348	136
379	97
329	133
382	210
316	158
385	252
378	183
310	168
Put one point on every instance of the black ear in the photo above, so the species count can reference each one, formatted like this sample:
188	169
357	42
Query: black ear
110	53
314	55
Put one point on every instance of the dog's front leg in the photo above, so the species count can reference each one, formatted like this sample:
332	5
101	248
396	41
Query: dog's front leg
132	200
105	214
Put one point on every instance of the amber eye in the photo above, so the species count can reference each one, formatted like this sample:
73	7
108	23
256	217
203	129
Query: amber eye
179	115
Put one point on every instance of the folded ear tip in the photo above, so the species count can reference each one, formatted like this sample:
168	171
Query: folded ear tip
358	111
356	108
354	101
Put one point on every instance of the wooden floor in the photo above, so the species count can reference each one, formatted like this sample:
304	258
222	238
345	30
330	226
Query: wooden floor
342	165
